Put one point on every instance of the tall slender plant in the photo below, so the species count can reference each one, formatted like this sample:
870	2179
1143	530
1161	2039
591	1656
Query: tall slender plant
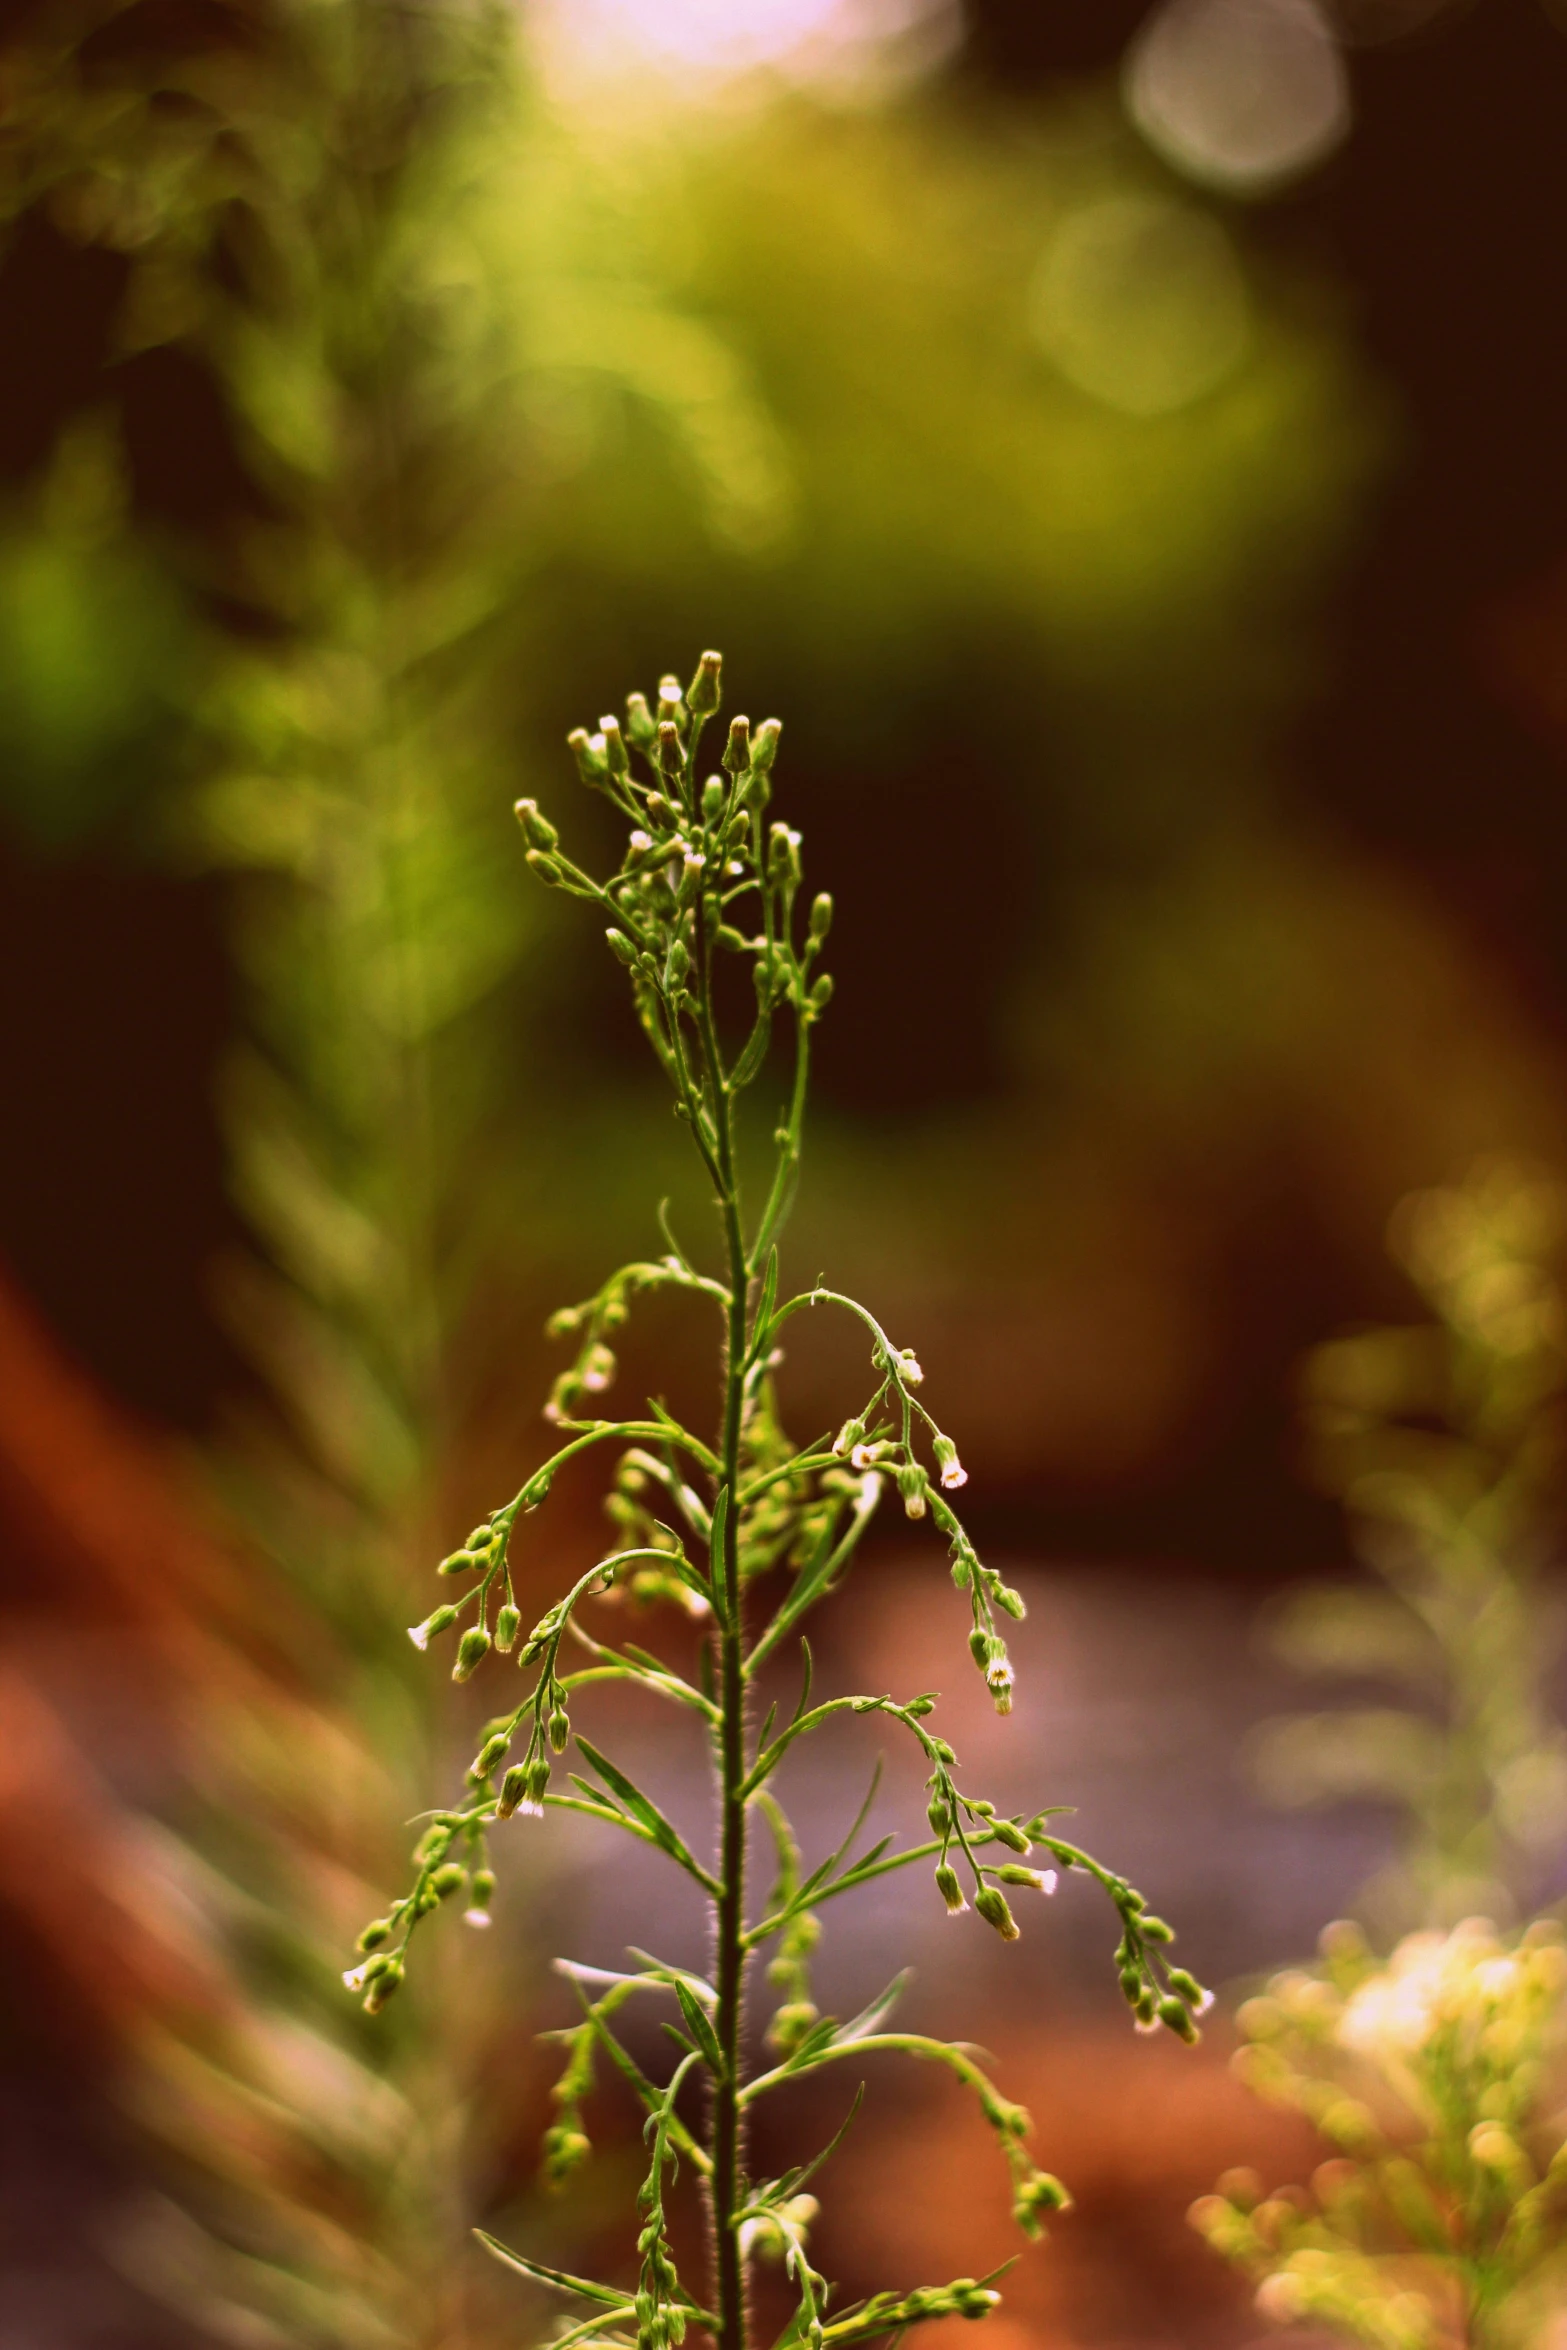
702	859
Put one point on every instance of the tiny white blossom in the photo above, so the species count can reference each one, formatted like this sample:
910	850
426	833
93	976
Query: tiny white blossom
476	1917
954	1475
641	841
909	1365
354	1979
419	1634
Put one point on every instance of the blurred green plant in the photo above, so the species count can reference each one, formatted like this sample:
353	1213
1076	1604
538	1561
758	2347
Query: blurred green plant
1439	2074
1444	1442
701	859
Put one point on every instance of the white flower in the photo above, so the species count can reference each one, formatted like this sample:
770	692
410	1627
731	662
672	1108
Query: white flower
419	1634
641	842
908	1364
476	1917
354	1980
954	1475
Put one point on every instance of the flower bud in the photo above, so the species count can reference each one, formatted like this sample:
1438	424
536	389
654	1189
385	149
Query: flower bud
848	1437
1010	1602
821	917
791	2023
547	868
507	1625
378	1931
639	722
621	948
677	968
821	992
490	1753
588	751
737	750
764	748
728	937
979	1647
671	702
538	1778
460	1562
448	1879
440	1620
705	691
991	1904
472	1649
670	756
714	795
939	1813
1176	2018
950	1890
1037	1880
950	1468
514	1788
559	1730
383	1987
1155	1930
538	831
616	757
1011	1836
912	1483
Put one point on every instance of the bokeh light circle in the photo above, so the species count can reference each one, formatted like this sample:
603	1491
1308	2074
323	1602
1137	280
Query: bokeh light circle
1243	95
1140	301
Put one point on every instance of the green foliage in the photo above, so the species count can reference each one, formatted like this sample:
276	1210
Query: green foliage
1437	2074
706	878
1444	1441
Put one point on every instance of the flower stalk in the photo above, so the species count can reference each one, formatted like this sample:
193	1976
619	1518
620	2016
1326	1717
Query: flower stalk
749	1524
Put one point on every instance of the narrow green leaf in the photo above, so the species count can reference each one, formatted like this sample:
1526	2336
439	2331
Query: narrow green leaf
643	1810
557	2277
701	2030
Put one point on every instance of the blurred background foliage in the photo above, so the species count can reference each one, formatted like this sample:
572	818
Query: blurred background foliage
399	382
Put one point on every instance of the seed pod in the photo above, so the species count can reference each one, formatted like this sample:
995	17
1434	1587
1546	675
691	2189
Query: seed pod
705	691
539	832
472	1649
991	1904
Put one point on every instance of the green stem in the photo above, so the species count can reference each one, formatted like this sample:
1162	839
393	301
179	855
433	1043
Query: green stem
726	2184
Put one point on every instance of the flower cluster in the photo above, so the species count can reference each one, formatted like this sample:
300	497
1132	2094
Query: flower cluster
1437	2077
716	1526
